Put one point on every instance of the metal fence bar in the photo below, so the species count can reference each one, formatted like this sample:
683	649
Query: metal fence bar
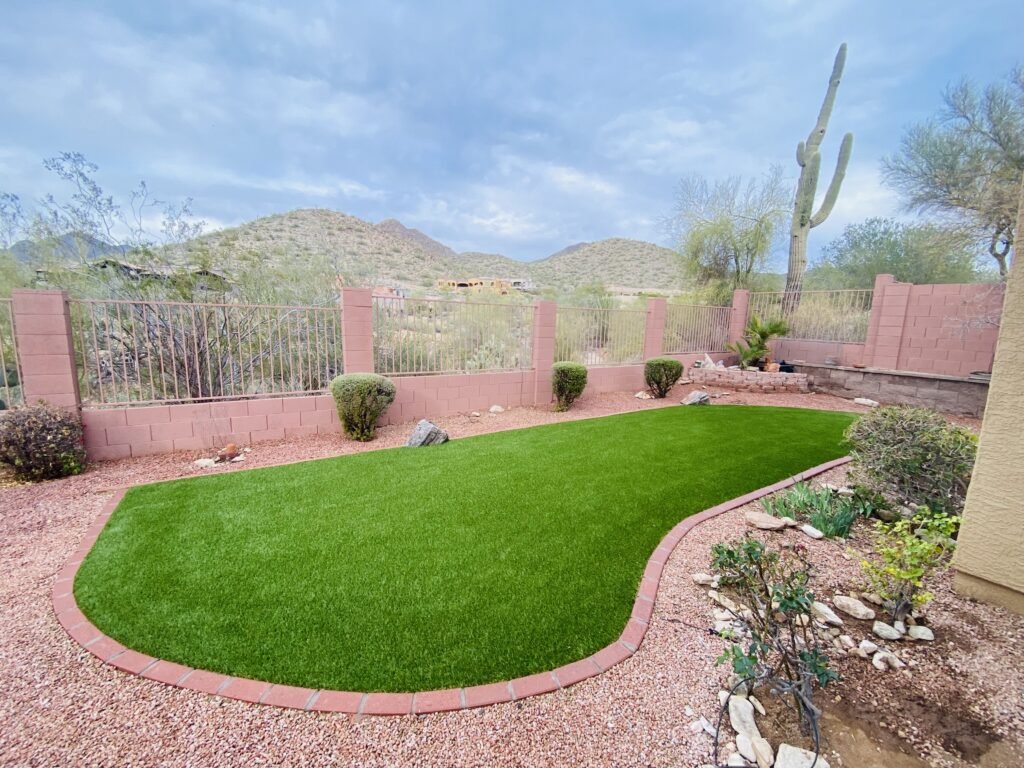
695	328
841	316
10	363
420	336
143	352
594	336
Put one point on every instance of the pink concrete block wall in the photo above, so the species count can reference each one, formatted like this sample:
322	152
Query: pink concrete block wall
654	330
42	336
114	433
817	351
422	397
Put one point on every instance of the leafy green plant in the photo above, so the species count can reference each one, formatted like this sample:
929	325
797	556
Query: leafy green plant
908	553
830	513
912	456
361	399
42	442
754	346
568	381
784	652
661	374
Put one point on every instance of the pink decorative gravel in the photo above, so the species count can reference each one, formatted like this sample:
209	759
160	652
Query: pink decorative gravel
59	706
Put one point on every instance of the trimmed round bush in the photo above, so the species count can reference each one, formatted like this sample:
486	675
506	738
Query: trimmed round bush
42	442
361	399
568	381
906	456
661	374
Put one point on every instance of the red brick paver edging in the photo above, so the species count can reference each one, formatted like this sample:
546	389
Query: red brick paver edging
113	653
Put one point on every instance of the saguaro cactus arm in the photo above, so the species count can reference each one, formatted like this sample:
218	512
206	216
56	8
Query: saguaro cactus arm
818	133
837	181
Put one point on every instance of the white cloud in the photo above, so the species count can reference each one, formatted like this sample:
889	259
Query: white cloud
320	187
658	140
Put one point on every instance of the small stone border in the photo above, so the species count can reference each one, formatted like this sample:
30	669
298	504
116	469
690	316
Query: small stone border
111	652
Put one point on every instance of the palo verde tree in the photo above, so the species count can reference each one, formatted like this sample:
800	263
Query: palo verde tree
725	229
967	162
808	157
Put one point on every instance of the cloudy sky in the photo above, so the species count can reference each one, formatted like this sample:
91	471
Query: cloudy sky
513	127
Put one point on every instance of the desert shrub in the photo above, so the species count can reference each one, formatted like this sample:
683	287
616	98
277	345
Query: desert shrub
784	652
361	399
909	552
661	374
829	512
42	442
912	456
568	381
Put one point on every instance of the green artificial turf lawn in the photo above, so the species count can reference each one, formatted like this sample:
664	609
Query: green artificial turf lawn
409	569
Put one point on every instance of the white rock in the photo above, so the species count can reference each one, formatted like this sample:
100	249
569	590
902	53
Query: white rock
704	579
764	522
867	646
741	717
724	601
871	597
823	613
866	401
496	409
859	652
846	491
763	753
475	414
745	746
794	757
900	627
853	607
757	705
723	696
237	459
791	522
736	759
205	463
847	642
884	660
884	631
643	394
811	531
725	628
920	632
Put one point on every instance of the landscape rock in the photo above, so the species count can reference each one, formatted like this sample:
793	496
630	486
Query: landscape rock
643	394
236	459
871	597
791	522
809	530
853	607
823	613
763	521
475	414
205	463
866	401
847	642
764	755
793	757
741	717
757	705
736	759
426	433
867	646
846	491
900	627
858	652
496	409
885	631
745	746
704	579
920	632
697	397
884	660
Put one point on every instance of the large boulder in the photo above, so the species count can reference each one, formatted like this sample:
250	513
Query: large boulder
427	433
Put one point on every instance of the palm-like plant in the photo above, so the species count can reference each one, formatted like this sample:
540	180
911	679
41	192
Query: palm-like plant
758	333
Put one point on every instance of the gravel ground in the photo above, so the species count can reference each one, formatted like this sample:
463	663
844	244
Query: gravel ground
62	707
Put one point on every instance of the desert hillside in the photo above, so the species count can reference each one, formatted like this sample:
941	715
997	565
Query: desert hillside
391	253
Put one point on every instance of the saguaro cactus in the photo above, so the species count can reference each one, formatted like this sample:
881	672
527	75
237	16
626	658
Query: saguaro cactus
808	156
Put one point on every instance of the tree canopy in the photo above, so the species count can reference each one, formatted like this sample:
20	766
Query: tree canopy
967	161
913	253
726	228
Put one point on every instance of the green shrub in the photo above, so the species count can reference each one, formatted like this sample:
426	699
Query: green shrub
661	374
909	551
783	651
830	513
568	381
42	442
912	456
361	399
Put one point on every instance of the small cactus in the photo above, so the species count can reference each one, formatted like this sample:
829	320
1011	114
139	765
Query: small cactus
808	157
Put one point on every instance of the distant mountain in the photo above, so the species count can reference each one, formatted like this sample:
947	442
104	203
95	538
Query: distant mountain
69	247
389	253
